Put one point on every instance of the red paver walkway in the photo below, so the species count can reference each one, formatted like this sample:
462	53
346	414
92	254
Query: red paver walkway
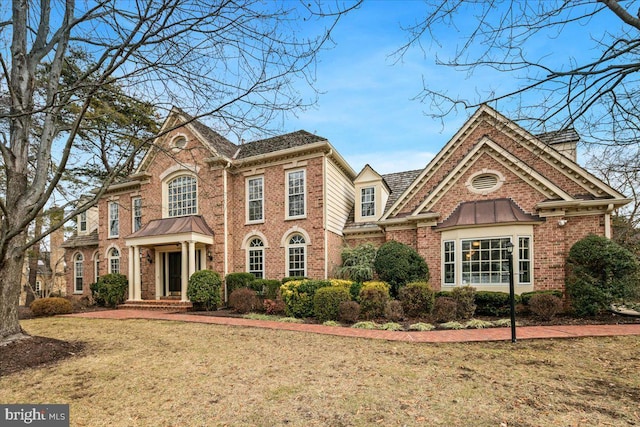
465	335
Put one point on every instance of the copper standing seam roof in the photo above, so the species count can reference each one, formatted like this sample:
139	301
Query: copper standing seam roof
178	225
485	212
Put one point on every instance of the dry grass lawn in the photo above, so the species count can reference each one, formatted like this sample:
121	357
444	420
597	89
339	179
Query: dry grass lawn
160	373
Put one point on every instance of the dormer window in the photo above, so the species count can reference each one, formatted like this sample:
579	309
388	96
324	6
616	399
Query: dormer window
82	223
368	201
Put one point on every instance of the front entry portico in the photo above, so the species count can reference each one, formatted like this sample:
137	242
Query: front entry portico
178	246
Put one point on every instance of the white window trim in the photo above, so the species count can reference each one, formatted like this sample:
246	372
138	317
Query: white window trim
286	194
372	201
513	232
246	192
75	272
257	248
111	235
96	266
444	262
82	220
484	191
166	179
289	246
110	258
133	213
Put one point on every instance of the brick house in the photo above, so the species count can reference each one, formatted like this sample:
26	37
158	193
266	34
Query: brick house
286	206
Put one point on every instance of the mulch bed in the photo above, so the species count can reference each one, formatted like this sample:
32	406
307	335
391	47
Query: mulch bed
35	352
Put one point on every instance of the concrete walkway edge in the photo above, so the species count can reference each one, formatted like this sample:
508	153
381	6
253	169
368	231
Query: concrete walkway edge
450	336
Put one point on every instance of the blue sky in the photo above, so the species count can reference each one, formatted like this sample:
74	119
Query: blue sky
367	108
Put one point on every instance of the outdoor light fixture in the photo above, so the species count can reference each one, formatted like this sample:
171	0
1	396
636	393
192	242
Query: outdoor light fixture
210	255
512	296
562	222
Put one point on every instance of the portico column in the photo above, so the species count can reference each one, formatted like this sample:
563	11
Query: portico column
185	273
136	274
192	257
131	273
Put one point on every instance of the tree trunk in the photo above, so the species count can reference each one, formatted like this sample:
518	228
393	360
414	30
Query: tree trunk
34	257
10	275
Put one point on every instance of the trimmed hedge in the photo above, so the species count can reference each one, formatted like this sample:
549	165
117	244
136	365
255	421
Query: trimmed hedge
298	296
399	264
50	306
525	297
204	289
327	300
373	299
238	280
491	303
266	288
110	289
417	299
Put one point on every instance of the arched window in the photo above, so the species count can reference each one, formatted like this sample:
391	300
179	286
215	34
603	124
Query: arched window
182	196
78	272
296	250
256	258
114	261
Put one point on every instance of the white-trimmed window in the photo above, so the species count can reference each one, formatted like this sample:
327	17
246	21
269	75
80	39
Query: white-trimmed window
114	219
78	273
524	259
182	196
449	272
136	209
368	201
296	194
256	258
96	267
296	262
114	261
38	289
82	221
255	199
484	261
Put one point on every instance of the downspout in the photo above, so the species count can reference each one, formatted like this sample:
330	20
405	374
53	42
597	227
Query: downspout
226	228
607	221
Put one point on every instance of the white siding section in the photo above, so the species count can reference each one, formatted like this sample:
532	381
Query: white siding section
340	197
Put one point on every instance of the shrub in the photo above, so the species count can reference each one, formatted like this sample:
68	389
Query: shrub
601	272
244	300
503	322
204	289
494	303
452	325
398	264
298	296
349	311
392	326
444	310
110	289
393	311
373	299
266	287
292	278
478	324
420	326
365	325
545	305
357	263
441	294
417	299
238	280
326	302
50	306
465	298
354	290
274	306
331	323
525	297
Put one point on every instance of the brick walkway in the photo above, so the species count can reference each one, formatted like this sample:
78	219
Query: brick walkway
466	335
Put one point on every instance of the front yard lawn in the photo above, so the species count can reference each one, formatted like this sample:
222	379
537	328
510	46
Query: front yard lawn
161	373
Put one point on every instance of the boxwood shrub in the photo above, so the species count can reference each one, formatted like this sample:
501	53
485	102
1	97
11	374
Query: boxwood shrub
50	306
417	299
525	297
266	288
491	303
399	264
110	289
204	289
327	300
373	299
298	296
238	280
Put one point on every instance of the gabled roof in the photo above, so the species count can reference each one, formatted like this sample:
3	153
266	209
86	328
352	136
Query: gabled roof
487	212
76	241
277	143
218	142
398	182
559	136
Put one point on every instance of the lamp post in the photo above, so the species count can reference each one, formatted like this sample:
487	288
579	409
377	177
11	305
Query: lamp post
512	296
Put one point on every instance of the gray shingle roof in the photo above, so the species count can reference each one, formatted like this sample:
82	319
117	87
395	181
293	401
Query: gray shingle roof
76	241
559	136
277	143
398	182
221	144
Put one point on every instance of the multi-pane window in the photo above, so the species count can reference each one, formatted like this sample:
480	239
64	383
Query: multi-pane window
114	220
38	289
297	248
96	267
78	272
137	213
484	261
450	262
524	262
255	198
114	261
256	258
296	193
182	196
83	221
368	202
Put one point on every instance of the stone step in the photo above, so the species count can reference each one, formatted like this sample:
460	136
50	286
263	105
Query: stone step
157	305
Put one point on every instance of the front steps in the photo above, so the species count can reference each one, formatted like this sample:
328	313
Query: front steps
171	305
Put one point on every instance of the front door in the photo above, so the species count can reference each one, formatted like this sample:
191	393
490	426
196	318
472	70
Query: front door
175	273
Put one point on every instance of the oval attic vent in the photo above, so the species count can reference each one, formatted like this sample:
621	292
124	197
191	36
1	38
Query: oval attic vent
485	181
